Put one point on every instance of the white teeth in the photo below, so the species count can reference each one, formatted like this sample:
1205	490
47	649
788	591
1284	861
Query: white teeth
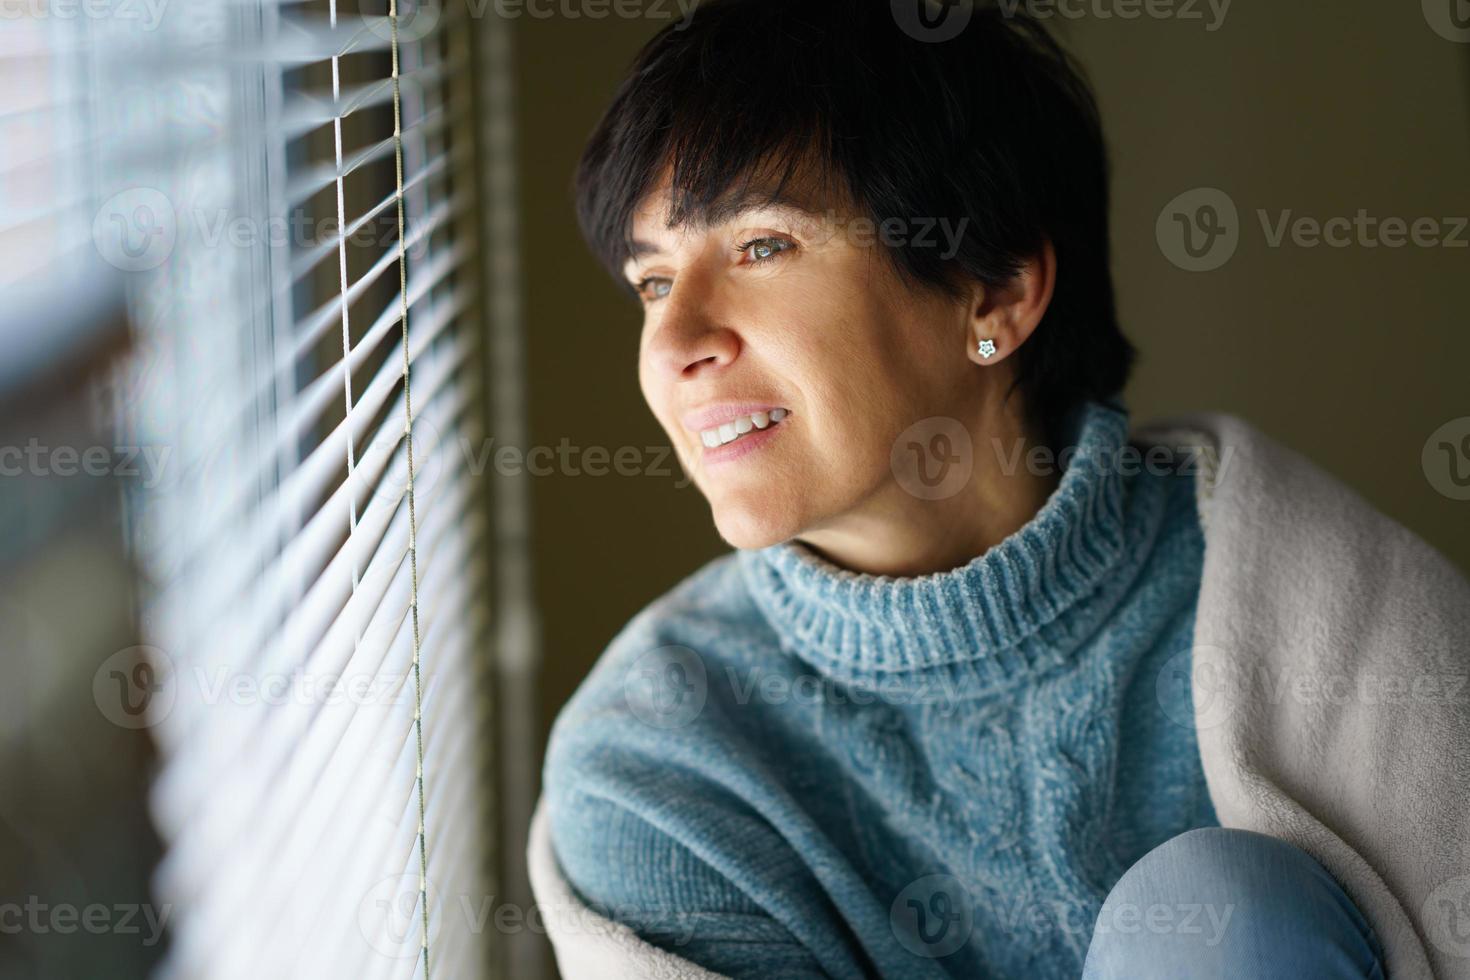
736	428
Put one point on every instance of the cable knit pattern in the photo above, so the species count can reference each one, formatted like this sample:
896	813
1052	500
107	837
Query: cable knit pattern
785	769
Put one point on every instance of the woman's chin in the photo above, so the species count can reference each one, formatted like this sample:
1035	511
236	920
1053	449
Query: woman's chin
753	525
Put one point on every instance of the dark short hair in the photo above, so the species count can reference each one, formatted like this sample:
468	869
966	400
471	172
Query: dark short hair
996	124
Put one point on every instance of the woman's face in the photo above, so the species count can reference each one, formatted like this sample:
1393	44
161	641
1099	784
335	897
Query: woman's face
782	308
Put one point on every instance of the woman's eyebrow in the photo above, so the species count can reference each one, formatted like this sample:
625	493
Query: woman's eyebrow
725	212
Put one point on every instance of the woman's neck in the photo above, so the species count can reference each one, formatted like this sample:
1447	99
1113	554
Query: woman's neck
898	532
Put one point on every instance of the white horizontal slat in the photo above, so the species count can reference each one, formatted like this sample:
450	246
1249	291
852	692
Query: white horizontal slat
309	259
314	180
255	525
270	871
381	536
256	729
307	111
315	548
227	504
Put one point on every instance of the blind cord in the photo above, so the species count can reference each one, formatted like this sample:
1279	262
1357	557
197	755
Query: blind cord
413	560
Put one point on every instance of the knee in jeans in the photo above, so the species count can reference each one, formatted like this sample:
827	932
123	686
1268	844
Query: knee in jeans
1247	859
1208	896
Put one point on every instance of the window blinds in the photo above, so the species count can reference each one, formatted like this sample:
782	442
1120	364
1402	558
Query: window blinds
289	188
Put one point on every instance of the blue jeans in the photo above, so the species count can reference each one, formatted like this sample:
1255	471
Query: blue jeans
1218	902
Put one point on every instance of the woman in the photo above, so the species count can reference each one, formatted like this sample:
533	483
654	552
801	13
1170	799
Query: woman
978	693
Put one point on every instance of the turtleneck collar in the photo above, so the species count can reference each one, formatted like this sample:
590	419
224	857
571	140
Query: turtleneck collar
1026	602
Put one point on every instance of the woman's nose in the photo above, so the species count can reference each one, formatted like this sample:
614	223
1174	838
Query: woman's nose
692	337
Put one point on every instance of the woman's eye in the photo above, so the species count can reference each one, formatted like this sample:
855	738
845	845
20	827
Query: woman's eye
654	287
764	249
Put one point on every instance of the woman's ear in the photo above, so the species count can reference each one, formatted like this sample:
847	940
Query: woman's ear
1002	318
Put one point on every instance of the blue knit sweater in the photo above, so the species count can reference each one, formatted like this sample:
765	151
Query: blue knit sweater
784	769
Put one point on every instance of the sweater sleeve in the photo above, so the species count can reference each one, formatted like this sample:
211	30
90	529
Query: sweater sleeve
630	871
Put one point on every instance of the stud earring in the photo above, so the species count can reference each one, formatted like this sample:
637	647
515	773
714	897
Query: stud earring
986	348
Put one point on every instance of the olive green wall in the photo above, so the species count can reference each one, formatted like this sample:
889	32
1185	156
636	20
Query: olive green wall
1353	355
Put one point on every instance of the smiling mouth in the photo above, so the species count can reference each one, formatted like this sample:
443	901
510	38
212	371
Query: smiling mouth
735	429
